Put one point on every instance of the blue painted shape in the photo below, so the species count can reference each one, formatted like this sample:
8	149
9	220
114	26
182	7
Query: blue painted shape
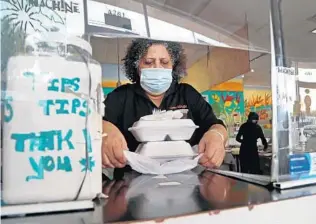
87	137
53	85
32	75
35	144
62	103
44	140
38	168
64	165
48	164
70	83
47	140
75	105
107	90
83	112
46	106
20	140
66	139
8	108
87	165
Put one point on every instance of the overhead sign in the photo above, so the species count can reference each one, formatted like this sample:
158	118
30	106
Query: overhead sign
57	6
116	19
166	31
122	21
66	16
307	75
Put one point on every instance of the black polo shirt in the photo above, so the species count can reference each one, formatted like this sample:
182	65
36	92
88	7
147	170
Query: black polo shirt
128	103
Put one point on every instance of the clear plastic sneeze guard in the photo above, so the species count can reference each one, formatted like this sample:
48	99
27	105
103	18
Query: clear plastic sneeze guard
51	100
293	88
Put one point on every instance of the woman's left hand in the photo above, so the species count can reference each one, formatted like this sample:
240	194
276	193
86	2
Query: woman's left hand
213	147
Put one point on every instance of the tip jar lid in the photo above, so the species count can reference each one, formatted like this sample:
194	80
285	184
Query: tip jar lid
54	40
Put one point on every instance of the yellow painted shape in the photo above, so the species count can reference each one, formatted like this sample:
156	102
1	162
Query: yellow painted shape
111	84
236	86
257	97
198	76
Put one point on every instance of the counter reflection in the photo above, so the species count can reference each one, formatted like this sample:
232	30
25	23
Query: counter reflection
141	197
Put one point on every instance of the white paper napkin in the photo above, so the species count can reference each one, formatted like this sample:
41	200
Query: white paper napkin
146	165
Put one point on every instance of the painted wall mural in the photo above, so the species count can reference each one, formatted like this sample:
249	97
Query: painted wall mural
235	85
227	100
107	90
230	101
233	107
227	105
259	101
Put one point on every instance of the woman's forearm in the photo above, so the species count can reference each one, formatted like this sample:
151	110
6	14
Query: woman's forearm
108	127
221	131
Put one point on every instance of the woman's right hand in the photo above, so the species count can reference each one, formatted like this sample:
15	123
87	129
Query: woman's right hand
113	146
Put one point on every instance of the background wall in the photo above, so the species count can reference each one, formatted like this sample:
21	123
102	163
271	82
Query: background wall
227	100
207	67
231	101
110	74
219	65
259	99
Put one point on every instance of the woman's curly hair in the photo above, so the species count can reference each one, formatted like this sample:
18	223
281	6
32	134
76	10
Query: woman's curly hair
138	48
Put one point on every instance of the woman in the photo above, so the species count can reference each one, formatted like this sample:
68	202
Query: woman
248	135
154	68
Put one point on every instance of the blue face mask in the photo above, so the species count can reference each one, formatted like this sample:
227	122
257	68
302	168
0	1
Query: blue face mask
156	81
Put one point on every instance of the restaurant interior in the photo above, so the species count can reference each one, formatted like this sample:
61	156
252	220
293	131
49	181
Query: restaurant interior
236	59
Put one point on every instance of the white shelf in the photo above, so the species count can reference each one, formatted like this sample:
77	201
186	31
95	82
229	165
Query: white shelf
294	183
12	210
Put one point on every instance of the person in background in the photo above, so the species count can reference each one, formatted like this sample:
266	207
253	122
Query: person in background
248	135
155	68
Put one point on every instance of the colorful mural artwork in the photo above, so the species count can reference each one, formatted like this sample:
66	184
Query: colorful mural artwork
232	103
227	100
234	85
227	105
259	101
107	90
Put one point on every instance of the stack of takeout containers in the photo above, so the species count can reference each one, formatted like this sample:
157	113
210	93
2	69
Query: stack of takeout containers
164	137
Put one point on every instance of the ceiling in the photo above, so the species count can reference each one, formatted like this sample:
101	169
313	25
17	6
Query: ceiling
219	19
110	52
229	15
105	50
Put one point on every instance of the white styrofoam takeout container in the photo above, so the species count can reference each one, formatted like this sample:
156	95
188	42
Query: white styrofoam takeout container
151	131
166	150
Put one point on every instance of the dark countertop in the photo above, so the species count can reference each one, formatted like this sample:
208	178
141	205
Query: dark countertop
141	197
136	197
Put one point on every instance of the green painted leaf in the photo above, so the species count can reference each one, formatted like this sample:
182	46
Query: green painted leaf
217	109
